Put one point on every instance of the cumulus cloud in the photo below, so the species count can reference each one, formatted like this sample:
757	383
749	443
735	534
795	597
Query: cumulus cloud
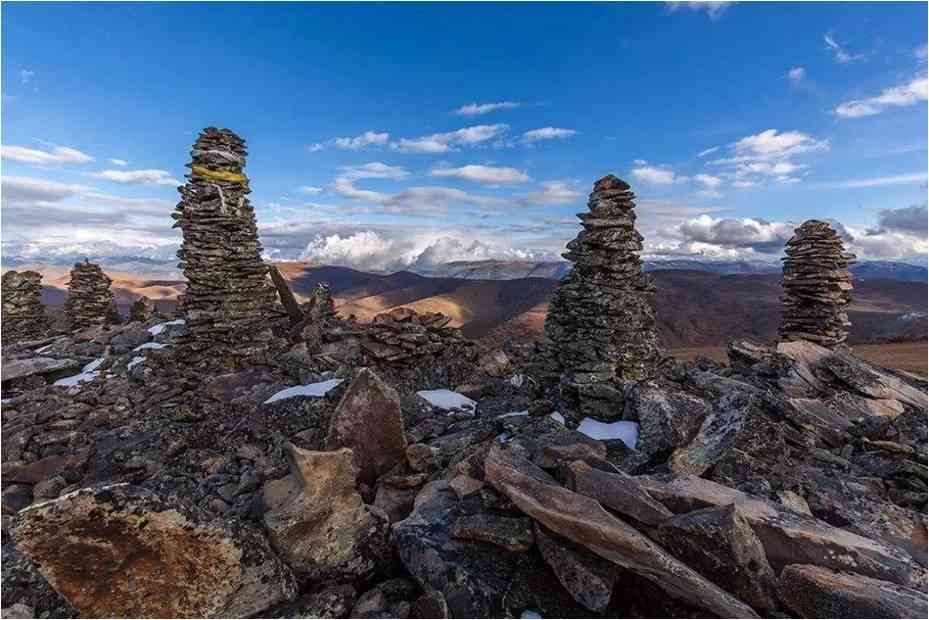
414	201
796	75
708	181
450	141
840	54
374	170
908	94
552	193
54	155
492	175
768	156
478	109
748	233
908	219
119	162
714	10
138	177
368	138
656	175
547	133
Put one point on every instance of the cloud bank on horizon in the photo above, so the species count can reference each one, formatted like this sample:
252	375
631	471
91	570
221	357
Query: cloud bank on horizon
431	154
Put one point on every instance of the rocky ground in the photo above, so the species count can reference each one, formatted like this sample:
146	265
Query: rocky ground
392	470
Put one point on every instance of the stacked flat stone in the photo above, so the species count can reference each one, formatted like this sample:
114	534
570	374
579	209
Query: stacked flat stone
600	329
817	286
229	298
90	299
24	315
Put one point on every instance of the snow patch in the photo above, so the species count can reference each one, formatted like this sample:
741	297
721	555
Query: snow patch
45	349
154	330
311	389
514	414
81	378
529	613
150	345
135	361
447	399
628	432
557	417
94	365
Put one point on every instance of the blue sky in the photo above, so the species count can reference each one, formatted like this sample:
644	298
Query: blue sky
382	136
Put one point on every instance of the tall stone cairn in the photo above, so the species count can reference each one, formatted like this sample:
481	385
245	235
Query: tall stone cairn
89	296
817	286
228	298
600	328
24	315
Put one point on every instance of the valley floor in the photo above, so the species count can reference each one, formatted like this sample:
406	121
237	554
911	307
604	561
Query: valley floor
906	356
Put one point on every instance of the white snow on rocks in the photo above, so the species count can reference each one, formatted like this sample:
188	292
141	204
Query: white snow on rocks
94	365
81	378
135	361
150	345
557	417
514	414
628	432
530	614
447	399
311	389
154	330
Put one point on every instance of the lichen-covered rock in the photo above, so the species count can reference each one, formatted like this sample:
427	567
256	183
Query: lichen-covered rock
817	286
318	522
229	299
120	550
24	316
89	299
600	327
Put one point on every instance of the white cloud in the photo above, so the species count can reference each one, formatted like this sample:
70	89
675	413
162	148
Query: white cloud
899	179
138	177
477	109
445	142
374	170
28	191
483	174
756	234
25	76
714	10
119	162
708	151
796	75
656	176
368	138
310	189
770	144
55	155
552	193
412	201
841	56
768	154
708	181
547	133
921	52
908	94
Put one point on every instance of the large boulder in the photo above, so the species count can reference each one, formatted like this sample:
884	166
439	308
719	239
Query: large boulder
121	550
318	522
815	592
368	420
668	418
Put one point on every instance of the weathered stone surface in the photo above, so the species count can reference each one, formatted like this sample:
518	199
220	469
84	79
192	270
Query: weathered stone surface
668	418
24	316
585	522
815	592
368	420
149	559
514	534
600	328
587	577
317	521
720	544
42	366
229	299
286	296
142	309
89	299
817	286
617	491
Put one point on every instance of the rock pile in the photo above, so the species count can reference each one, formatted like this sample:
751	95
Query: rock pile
228	297
90	300
600	326
817	286
24	315
142	309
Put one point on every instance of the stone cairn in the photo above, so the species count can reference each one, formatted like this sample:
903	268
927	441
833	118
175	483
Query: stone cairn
228	298
600	329
142	309
817	286
24	315
90	300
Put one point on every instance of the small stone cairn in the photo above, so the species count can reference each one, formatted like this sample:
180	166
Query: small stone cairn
817	286
90	300
24	315
600	329
229	298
